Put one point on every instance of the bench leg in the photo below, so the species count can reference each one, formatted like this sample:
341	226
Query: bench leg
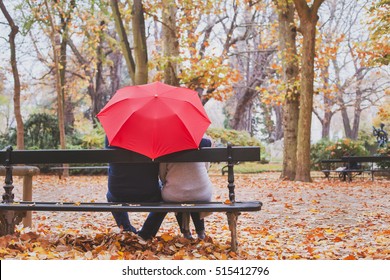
8	220
232	221
185	224
27	196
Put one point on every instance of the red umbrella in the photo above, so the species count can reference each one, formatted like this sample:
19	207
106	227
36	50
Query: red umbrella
154	119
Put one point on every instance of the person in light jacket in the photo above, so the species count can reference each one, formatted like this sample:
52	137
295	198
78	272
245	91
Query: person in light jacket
188	182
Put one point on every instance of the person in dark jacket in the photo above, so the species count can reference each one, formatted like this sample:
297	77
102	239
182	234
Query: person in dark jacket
135	183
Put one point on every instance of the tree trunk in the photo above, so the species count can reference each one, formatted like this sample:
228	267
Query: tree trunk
56	43
346	123
124	42
63	62
140	47
357	114
15	73
115	73
308	20
287	39
170	42
325	133
279	129
97	100
306	103
65	19
95	83
242	115
138	65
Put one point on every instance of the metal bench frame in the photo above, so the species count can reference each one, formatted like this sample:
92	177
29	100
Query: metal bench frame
11	212
349	161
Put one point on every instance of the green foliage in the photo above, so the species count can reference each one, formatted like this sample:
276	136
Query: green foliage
326	149
41	132
369	141
385	151
89	138
247	168
8	139
222	136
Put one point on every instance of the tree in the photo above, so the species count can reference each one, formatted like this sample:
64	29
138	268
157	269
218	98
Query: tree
380	54
287	40
308	20
252	49
137	62
98	61
56	45
170	42
348	82
379	22
15	73
5	106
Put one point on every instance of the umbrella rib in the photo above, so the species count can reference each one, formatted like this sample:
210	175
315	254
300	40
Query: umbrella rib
128	117
186	129
204	115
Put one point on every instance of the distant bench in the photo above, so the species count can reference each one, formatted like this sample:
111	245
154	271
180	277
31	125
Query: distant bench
12	212
350	166
87	170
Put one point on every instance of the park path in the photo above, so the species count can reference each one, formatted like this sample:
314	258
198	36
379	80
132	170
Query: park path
325	219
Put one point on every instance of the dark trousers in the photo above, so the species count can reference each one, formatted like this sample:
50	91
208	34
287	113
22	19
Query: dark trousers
151	224
195	216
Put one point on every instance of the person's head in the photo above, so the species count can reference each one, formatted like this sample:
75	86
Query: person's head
205	142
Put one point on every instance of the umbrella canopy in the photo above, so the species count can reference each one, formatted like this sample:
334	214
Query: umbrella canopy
154	119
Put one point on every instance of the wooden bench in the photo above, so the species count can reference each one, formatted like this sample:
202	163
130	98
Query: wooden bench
353	166
88	170
27	172
12	212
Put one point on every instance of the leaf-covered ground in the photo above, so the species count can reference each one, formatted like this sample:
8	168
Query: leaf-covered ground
326	219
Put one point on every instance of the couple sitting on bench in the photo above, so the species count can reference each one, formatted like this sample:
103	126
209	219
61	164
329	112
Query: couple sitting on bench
140	182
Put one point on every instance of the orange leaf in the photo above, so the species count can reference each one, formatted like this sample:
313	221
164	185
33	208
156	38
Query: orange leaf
350	257
166	237
337	239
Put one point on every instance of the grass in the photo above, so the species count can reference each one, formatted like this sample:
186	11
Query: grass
248	167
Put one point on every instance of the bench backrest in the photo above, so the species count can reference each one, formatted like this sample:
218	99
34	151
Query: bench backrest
366	158
229	154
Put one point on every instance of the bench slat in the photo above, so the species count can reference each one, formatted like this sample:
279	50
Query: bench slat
133	207
121	155
366	158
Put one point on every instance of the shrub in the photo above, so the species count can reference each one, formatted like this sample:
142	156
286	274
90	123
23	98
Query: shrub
8	139
89	138
222	136
385	151
326	149
41	132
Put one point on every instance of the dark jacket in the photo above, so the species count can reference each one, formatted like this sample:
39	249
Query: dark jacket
133	182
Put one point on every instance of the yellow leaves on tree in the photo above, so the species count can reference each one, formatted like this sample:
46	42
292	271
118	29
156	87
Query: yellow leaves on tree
215	77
